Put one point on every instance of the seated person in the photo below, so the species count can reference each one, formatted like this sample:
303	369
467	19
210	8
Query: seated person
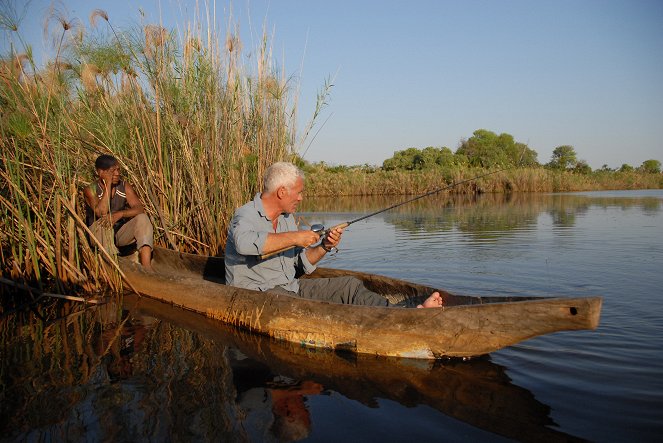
115	214
266	225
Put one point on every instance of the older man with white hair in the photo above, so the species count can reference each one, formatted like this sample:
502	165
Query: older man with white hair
267	225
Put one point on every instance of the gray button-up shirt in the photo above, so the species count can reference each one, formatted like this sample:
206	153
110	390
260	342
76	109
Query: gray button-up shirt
246	239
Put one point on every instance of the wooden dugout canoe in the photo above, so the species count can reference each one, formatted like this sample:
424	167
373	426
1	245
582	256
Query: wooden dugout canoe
465	327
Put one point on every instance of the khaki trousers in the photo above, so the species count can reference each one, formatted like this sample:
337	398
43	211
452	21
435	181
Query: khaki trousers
138	229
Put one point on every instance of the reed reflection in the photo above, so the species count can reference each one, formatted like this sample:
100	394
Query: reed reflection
108	375
151	371
482	217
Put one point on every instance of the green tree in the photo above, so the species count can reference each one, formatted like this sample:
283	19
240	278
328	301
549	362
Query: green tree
563	157
651	166
487	149
446	158
406	159
626	168
416	159
581	167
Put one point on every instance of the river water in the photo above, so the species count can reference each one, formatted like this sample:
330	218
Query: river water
144	371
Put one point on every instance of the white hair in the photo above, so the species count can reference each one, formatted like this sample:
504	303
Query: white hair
281	174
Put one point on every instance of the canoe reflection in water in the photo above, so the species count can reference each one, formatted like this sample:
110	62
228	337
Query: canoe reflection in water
274	380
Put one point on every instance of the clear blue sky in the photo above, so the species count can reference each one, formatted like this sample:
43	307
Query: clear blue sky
586	73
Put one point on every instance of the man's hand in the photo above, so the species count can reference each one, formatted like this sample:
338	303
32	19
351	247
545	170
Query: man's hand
305	238
333	238
330	240
108	220
106	177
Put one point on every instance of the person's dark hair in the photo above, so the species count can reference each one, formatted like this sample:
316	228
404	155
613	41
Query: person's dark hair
105	161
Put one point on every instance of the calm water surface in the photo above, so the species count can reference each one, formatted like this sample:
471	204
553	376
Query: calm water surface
150	372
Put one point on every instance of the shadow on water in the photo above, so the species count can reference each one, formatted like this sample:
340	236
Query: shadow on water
151	371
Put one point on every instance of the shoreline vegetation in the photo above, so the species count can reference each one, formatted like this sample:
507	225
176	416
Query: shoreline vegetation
360	182
194	119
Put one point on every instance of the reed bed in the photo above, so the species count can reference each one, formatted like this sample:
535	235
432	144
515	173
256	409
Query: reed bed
192	120
357	182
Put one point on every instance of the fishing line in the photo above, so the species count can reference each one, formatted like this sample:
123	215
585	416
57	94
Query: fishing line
434	191
443	188
323	232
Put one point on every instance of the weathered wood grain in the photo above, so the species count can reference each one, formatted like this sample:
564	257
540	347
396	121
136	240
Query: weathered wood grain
465	327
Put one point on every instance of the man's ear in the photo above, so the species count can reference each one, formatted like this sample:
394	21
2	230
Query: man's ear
281	192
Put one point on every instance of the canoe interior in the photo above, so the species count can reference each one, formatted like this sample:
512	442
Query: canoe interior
177	264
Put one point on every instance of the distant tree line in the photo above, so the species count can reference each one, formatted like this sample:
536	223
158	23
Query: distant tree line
488	150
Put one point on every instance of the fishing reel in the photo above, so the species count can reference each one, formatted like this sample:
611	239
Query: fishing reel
320	230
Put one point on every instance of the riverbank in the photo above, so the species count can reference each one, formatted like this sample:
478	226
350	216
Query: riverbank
330	182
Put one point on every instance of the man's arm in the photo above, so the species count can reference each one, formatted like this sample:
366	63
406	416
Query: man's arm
135	205
281	240
252	237
100	206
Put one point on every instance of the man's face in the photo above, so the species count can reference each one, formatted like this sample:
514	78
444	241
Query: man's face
112	174
292	196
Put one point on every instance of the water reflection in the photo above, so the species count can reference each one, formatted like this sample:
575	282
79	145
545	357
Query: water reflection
149	371
469	215
108	375
477	392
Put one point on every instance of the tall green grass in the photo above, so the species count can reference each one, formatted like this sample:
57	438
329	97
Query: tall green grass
193	120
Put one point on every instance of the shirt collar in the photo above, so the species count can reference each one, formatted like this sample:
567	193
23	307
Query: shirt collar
257	202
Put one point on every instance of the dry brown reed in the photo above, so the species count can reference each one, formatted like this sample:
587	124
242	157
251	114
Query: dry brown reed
325	182
193	130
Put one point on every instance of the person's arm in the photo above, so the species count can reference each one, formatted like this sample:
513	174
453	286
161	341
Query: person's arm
251	237
135	205
281	240
100	205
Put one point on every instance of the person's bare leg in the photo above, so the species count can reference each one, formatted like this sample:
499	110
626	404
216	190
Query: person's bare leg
434	301
145	255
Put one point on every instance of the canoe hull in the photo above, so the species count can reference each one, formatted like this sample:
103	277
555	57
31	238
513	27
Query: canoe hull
459	329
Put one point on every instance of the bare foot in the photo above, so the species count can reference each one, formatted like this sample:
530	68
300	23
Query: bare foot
434	301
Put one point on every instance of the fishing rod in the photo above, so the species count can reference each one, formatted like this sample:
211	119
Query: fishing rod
320	229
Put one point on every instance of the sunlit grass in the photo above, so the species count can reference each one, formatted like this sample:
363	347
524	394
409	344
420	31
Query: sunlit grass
193	121
358	181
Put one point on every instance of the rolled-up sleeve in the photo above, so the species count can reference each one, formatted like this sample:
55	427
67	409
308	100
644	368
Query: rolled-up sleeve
304	262
247	237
